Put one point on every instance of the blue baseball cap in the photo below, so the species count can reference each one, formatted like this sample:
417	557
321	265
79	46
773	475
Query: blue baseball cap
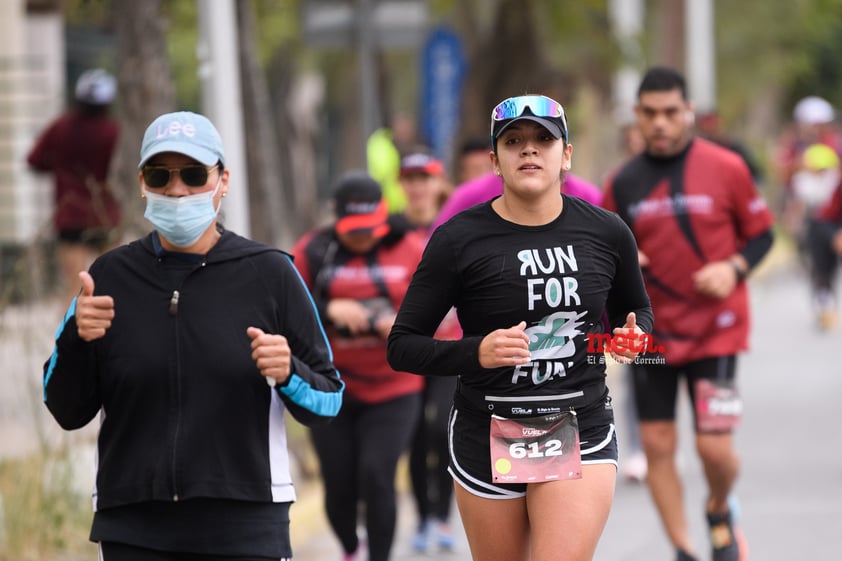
185	133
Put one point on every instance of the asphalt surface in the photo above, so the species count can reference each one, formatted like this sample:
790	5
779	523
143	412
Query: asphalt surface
790	488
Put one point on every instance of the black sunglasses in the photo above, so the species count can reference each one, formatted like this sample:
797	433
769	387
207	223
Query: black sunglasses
194	175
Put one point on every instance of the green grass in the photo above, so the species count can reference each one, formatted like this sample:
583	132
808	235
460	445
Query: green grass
43	518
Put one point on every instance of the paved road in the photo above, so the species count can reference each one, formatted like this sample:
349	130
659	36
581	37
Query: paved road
791	485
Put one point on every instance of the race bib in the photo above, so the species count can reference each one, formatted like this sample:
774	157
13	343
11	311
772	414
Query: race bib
535	449
718	405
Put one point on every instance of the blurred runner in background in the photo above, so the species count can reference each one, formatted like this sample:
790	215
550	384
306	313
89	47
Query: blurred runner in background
701	226
358	269
77	148
819	186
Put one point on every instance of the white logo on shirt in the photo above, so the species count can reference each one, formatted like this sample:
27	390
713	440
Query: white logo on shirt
672	206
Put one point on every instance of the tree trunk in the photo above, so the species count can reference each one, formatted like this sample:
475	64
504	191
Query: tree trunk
298	105
669	34
270	217
145	91
304	103
507	61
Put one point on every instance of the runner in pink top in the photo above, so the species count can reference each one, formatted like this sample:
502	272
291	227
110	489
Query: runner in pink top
489	186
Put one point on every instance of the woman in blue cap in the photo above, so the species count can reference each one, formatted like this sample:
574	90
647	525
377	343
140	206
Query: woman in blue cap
533	451
170	340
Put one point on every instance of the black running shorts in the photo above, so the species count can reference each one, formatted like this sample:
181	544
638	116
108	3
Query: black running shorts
656	385
470	454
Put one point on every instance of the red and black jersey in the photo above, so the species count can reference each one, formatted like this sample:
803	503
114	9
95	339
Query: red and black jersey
378	278
688	210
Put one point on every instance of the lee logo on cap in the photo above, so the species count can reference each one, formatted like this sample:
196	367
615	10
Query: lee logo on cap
175	128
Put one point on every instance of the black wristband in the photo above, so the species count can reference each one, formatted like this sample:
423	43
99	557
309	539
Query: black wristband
741	274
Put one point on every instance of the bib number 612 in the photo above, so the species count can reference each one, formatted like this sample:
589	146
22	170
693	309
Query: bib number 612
535	449
520	450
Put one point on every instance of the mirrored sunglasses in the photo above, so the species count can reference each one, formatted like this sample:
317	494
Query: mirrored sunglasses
539	105
195	175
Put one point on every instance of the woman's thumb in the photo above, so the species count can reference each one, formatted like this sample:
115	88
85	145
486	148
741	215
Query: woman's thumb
87	283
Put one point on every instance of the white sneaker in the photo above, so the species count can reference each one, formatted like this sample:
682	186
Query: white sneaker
635	468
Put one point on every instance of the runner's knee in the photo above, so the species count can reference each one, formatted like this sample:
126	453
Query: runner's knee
659	439
716	449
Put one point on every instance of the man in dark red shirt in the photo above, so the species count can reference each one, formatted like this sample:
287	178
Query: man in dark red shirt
700	226
77	149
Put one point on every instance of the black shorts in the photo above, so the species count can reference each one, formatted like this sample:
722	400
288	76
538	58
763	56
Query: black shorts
111	551
470	453
656	385
95	238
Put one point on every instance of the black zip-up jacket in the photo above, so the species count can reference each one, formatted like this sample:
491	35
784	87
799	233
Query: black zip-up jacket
185	411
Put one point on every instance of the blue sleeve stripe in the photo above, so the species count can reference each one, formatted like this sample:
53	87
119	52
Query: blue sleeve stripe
324	404
71	311
313	304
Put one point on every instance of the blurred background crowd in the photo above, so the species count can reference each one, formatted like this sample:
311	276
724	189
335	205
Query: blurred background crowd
308	89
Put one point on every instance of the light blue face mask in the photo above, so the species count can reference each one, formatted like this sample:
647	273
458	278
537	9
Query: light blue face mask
181	220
